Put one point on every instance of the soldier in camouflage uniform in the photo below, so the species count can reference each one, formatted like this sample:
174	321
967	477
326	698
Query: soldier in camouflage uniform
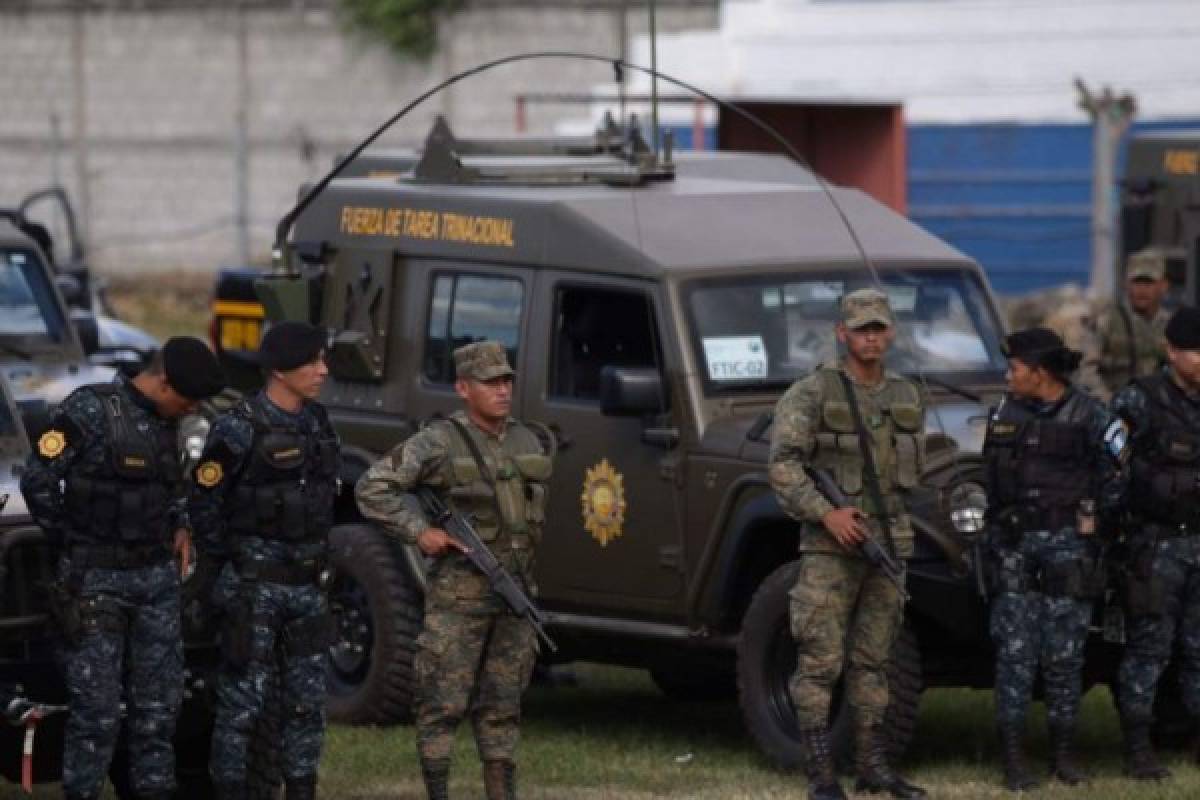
1054	479
105	485
473	651
262	505
1162	575
839	596
1129	336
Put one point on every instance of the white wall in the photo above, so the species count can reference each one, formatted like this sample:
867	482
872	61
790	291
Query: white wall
950	60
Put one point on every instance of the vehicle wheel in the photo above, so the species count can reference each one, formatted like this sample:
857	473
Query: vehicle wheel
767	659
379	616
705	684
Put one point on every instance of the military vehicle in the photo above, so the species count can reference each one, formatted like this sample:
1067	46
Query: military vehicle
654	311
43	351
1160	205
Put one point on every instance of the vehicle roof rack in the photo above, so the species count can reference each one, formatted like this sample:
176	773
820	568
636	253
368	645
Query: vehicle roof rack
612	156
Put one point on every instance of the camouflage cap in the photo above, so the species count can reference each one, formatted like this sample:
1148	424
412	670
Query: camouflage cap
864	306
481	361
1150	263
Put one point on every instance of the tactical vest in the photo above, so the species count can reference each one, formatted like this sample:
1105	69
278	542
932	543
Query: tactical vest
287	487
1133	347
894	418
125	497
509	511
1040	463
1165	468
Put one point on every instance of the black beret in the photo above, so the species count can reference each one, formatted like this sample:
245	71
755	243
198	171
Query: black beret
1183	331
192	369
291	344
1042	347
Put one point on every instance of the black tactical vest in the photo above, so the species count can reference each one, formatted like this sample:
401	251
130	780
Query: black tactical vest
1165	468
1040	462
124	498
287	488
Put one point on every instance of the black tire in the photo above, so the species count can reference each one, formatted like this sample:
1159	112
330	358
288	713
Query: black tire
379	615
700	685
767	659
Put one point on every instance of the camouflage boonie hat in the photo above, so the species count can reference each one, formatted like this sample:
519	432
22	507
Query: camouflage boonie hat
481	361
864	306
1150	263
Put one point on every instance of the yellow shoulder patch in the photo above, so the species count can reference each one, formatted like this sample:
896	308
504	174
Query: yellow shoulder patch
52	443
209	474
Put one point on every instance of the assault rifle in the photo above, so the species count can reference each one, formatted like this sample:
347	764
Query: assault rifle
880	558
481	556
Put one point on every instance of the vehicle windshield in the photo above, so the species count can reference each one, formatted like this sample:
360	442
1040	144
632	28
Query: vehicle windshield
28	308
763	333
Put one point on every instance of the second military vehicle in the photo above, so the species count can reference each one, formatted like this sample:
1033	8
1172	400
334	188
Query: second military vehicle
654	312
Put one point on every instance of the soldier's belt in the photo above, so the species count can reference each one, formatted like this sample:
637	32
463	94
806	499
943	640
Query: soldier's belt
99	556
296	573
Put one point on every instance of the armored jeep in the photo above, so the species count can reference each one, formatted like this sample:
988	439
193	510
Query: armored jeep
654	317
46	348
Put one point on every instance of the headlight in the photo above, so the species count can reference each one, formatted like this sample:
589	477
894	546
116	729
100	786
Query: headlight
968	506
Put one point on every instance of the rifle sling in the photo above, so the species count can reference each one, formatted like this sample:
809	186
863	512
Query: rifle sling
870	476
479	462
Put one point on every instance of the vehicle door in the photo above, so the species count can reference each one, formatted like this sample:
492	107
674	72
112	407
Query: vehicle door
613	534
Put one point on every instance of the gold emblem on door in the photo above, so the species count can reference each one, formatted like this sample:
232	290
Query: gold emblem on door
603	501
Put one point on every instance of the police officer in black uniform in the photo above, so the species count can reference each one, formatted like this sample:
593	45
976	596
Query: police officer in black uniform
105	484
1162	570
1054	480
262	505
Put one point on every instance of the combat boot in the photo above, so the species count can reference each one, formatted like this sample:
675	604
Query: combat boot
818	765
1140	762
1062	762
1017	776
499	780
436	772
300	788
874	774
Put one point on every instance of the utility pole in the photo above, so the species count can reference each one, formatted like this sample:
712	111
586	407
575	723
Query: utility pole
79	124
1111	116
241	140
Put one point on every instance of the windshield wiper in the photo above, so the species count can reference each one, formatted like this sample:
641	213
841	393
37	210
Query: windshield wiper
949	387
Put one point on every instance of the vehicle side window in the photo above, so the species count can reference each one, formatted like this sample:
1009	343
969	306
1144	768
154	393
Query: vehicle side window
597	328
470	308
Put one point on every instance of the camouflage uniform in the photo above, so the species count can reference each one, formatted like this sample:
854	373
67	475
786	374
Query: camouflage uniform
839	596
473	654
1042	461
104	485
262	505
1127	343
1163	573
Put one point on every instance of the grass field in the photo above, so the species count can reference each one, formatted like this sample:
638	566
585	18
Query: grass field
617	736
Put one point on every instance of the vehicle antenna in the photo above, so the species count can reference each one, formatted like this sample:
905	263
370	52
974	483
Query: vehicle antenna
654	79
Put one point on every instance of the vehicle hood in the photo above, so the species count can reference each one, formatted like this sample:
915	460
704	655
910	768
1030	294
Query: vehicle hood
50	381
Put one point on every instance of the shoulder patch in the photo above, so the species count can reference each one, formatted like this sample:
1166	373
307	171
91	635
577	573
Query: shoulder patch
52	443
209	474
1116	439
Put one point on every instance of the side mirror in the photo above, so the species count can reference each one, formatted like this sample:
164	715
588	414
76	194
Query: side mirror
631	391
70	288
88	330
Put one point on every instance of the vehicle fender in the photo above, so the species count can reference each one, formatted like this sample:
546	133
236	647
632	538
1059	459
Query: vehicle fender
749	511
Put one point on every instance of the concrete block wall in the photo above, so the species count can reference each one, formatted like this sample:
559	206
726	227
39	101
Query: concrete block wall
133	106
